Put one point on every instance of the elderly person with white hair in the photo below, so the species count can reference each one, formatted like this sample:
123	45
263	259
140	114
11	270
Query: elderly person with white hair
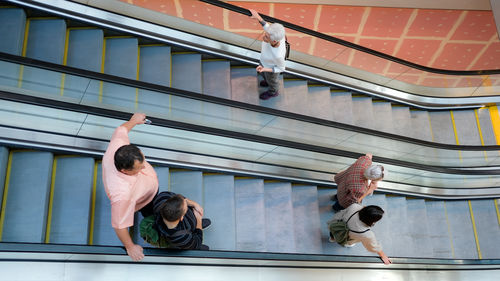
355	183
272	56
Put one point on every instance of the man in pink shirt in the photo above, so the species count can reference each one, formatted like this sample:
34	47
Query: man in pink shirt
130	182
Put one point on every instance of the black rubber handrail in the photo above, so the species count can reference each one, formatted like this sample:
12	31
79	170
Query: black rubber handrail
358	261
348	44
105	112
231	103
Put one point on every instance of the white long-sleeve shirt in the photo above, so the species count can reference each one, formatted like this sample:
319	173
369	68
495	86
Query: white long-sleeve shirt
368	238
273	57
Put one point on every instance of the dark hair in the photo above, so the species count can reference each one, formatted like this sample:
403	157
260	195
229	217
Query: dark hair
371	214
126	155
171	209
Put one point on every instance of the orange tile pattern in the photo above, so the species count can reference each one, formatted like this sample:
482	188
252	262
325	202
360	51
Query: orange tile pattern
449	39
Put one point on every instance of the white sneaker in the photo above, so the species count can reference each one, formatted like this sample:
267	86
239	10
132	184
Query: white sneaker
331	239
349	245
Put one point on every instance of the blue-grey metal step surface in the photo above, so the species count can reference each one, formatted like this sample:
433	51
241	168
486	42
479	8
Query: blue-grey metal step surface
86	47
61	199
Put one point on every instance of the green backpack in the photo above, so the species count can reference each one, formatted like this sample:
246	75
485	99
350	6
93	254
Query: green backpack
340	230
150	234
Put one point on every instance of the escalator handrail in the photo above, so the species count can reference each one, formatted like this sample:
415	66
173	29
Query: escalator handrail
351	45
234	104
238	256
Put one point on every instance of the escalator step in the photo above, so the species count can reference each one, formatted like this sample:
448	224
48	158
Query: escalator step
342	107
217	79
307	226
188	183
250	215
462	233
488	227
46	40
12	26
437	225
280	235
244	85
27	197
72	200
319	103
219	207
186	72
85	51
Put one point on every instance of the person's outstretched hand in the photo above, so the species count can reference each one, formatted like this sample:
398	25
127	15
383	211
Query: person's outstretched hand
254	15
138	118
135	252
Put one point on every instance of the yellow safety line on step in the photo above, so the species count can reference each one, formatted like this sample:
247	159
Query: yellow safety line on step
449	230
103	59
456	134
475	231
480	133
5	193
496	202
495	122
430	127
65	61
23	53
137	77
92	205
51	200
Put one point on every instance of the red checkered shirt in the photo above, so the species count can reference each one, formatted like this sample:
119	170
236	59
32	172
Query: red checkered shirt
351	184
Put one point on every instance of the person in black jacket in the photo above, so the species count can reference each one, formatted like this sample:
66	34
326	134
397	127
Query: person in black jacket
180	221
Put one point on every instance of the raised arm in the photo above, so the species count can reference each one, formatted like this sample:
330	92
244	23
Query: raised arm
136	119
256	16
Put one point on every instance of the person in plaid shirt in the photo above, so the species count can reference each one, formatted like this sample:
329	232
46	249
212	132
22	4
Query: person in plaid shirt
355	183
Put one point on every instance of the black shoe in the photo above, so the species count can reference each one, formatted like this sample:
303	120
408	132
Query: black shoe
336	207
205	223
334	197
267	95
263	83
204	247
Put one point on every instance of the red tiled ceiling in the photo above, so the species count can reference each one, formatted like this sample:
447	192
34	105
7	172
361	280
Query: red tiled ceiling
382	45
340	19
328	50
477	25
386	22
490	59
418	50
202	13
369	63
299	43
238	21
433	23
302	15
457	56
164	6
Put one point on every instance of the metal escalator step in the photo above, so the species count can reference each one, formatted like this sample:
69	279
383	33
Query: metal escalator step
319	102
121	57
27	199
219	207
12	27
217	79
71	200
244	85
382	117
362	111
85	50
342	107
280	235
488	227
296	96
420	125
189	184
186	72
307	225
439	236
103	232
401	121
250	215
462	232
4	156
442	127
418	228
46	40
396	213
